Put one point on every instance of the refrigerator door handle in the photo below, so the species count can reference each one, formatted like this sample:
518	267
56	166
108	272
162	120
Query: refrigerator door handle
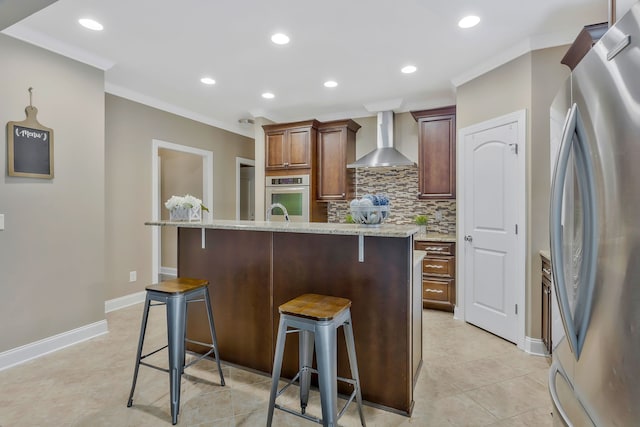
574	138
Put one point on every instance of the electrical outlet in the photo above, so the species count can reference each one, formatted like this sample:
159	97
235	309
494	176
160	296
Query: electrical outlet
438	215
1	222
133	276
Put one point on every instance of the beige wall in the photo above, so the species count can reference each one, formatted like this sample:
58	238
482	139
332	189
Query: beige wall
130	128
180	174
547	76
528	82
52	251
260	171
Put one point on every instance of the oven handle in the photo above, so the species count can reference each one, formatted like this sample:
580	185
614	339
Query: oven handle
288	189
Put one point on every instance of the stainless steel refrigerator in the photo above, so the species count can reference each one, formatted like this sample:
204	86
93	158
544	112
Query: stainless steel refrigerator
595	234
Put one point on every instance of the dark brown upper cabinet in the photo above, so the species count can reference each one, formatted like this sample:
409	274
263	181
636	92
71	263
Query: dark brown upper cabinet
290	145
436	153
336	149
587	37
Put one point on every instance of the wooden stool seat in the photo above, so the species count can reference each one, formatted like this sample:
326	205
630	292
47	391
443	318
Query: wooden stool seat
314	306
179	285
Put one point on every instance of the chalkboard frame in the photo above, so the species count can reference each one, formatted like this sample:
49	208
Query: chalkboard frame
27	159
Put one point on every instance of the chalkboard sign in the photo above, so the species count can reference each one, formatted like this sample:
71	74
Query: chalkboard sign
30	147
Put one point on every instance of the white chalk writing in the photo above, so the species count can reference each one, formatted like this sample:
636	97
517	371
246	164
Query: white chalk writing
31	133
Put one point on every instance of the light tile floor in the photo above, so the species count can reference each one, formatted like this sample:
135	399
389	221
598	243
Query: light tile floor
469	378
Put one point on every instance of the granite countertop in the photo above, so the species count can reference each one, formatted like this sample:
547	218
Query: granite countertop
385	230
418	255
434	237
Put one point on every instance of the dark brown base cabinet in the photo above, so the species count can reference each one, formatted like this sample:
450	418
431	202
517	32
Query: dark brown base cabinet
546	304
438	275
251	273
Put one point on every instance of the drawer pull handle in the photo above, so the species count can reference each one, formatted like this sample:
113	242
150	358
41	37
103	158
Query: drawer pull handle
434	266
434	248
546	271
435	291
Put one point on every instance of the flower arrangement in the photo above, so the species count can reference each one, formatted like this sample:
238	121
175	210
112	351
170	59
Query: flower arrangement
186	207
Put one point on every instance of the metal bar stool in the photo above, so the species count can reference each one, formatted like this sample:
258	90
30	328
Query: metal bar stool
175	294
317	318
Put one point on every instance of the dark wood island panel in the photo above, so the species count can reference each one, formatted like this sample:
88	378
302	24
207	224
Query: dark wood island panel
252	272
238	267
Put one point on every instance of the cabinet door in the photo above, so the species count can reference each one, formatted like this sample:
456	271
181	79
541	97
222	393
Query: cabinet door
332	164
436	153
298	142
275	150
336	148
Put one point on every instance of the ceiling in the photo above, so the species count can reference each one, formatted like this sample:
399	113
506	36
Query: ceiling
156	51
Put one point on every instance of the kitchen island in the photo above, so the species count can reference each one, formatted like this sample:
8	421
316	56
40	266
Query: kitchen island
253	267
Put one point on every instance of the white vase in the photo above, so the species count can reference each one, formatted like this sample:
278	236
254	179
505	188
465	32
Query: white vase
180	213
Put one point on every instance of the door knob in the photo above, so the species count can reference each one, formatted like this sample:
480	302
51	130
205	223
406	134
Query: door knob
468	238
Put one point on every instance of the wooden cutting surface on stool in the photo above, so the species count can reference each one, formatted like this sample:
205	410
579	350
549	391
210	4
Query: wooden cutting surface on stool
178	285
314	306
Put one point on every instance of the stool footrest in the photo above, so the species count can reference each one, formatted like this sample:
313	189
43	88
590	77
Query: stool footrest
153	352
309	417
299	414
154	366
202	356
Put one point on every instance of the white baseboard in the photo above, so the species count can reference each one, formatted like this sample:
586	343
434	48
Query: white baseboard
534	346
458	313
125	301
48	345
169	271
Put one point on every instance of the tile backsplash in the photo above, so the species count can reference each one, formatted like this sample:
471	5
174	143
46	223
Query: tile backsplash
400	185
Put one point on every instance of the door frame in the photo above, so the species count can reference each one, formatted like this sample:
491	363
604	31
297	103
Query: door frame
207	193
519	117
239	162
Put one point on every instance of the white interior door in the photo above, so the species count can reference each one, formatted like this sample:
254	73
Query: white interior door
491	229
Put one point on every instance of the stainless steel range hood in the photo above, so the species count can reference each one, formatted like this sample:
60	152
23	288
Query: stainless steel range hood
384	155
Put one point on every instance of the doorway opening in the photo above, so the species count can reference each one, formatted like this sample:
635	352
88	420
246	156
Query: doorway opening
245	189
176	170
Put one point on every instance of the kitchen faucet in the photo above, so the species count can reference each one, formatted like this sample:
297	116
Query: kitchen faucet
277	205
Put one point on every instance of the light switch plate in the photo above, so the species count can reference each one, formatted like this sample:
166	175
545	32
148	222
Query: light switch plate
1	221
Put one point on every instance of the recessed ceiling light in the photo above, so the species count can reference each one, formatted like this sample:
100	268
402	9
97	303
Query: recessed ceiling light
268	95
208	81
90	24
280	38
409	69
330	83
468	21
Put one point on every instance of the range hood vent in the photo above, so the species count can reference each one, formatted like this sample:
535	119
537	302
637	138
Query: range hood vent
385	155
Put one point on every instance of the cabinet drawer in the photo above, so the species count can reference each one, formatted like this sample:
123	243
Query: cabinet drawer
435	290
444	267
436	248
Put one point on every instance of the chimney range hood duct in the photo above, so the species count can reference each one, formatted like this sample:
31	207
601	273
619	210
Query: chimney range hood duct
384	155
